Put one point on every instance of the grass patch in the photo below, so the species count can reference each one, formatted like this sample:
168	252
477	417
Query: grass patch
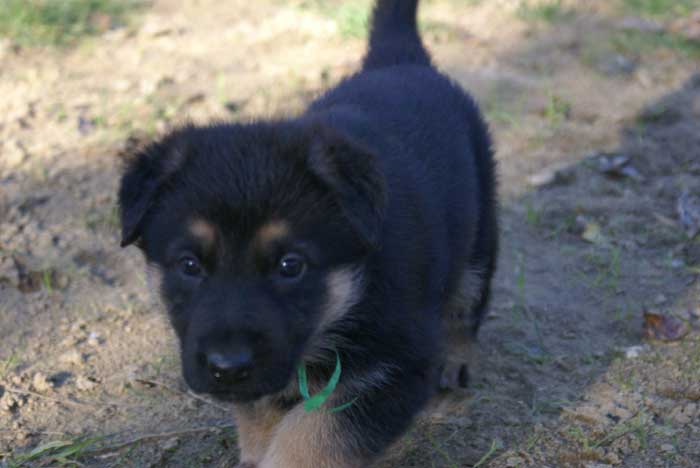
7	365
54	453
660	8
60	22
495	446
352	18
608	271
552	11
557	110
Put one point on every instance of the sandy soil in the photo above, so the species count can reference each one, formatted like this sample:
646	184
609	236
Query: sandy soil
565	377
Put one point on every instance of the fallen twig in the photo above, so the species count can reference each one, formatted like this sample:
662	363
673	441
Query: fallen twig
151	437
157	383
64	401
495	445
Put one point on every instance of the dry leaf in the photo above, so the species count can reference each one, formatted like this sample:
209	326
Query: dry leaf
592	233
663	327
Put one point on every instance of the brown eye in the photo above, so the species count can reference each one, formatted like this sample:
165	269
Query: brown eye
291	266
190	266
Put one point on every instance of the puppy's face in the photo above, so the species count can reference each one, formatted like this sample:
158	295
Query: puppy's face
259	233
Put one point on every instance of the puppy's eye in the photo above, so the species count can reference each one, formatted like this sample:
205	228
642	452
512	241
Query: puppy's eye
190	266
291	266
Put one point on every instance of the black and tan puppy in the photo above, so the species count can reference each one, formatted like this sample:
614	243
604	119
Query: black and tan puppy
363	229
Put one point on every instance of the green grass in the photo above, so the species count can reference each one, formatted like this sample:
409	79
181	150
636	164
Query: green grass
495	446
59	22
533	216
549	12
54	453
660	8
557	110
7	365
607	267
352	18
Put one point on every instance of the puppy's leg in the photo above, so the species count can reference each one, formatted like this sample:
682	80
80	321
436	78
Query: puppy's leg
460	328
458	361
255	423
352	437
309	440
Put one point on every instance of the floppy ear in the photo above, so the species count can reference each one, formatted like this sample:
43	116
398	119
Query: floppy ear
144	176
350	171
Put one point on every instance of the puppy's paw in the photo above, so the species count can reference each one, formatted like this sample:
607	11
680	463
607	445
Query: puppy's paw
246	465
454	375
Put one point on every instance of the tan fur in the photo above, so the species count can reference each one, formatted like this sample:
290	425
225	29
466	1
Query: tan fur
270	438
256	424
271	232
345	289
310	440
204	232
458	324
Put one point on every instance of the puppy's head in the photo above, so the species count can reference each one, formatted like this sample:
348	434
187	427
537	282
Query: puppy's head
260	233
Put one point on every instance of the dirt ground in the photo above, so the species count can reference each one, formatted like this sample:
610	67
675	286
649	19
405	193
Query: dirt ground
89	374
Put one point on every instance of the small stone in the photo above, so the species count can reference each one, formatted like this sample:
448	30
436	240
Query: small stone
592	233
8	403
613	458
512	421
551	176
14	153
694	312
170	444
514	462
677	263
85	383
618	64
668	448
62	281
634	351
70	340
41	383
683	415
78	326
73	357
660	299
94	339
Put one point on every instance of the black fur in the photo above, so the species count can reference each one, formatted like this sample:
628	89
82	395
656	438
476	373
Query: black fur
391	172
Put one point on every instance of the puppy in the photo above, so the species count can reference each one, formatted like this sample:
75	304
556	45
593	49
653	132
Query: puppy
362	232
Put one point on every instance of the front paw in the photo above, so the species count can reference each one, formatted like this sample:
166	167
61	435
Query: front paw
454	375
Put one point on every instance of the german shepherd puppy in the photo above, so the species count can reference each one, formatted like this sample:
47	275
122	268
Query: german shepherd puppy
362	232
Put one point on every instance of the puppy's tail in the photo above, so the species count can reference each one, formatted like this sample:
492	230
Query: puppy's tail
394	38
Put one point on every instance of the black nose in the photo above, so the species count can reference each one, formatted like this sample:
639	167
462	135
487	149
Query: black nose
229	367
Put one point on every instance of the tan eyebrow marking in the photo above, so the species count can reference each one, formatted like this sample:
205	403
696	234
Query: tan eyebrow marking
203	231
271	232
